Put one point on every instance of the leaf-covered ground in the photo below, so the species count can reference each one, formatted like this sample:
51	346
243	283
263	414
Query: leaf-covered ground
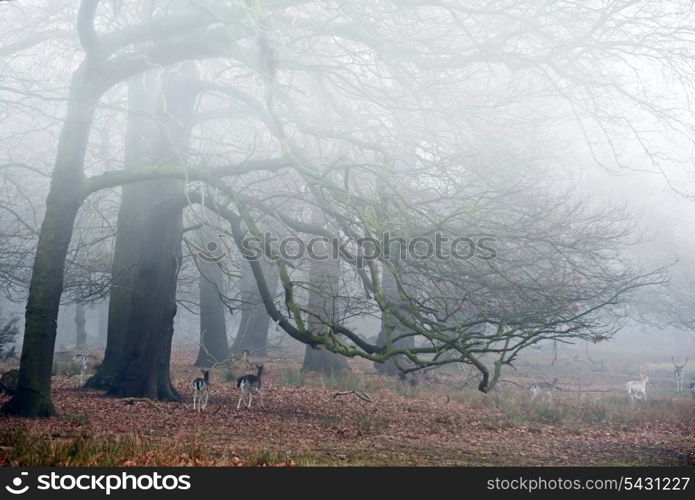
434	423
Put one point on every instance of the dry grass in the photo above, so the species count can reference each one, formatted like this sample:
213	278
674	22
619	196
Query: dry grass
29	446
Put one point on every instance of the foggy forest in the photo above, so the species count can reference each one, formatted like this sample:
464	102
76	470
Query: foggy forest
292	232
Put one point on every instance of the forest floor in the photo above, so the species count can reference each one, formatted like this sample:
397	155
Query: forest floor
439	421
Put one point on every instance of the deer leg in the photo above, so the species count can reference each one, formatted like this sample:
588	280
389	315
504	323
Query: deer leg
205	399
260	394
194	399
250	399
241	398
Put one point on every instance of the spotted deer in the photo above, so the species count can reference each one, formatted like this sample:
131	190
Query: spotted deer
544	388
201	391
89	362
250	384
637	389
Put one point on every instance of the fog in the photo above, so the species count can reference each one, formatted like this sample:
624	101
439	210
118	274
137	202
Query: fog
172	170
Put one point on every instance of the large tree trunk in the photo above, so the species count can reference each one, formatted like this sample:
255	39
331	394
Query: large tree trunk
213	330
252	334
140	129
325	306
33	396
143	368
80	327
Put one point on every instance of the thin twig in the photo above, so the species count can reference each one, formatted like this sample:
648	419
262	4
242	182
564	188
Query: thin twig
362	395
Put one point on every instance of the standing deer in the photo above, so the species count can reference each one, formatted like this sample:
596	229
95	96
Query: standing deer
637	389
250	384
678	373
89	362
201	391
545	388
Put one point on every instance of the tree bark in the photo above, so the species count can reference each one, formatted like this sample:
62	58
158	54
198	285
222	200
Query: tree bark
33	396
252	334
143	367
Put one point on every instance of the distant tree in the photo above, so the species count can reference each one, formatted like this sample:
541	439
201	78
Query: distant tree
325	306
211	289
252	332
80	327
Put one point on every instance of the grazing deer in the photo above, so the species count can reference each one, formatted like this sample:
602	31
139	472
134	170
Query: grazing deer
88	363
201	391
678	373
637	389
250	384
545	388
